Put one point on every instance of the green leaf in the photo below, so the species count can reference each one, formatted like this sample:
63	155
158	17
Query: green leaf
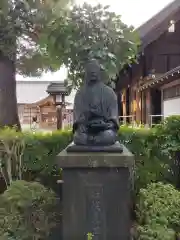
91	32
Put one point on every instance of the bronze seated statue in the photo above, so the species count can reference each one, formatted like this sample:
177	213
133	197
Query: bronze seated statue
95	114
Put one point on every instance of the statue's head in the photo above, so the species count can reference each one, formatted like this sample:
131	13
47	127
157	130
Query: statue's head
92	71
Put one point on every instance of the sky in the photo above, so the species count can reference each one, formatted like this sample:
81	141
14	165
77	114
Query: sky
133	12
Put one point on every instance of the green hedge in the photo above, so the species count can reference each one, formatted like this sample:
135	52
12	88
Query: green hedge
30	156
155	151
157	156
158	212
150	162
41	150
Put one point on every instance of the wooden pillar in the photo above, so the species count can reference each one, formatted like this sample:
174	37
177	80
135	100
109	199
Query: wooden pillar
132	112
148	105
40	117
143	106
134	104
124	104
120	105
138	107
131	101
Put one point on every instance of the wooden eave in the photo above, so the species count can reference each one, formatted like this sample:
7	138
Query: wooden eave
43	102
161	79
155	27
158	24
57	88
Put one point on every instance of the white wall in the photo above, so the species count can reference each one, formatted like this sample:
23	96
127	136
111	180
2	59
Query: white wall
31	92
171	107
34	91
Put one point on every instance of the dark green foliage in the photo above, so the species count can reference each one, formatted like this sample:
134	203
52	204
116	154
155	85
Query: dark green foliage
157	152
91	32
169	142
154	151
150	163
155	232
156	159
153	163
158	212
28	211
31	156
41	151
23	22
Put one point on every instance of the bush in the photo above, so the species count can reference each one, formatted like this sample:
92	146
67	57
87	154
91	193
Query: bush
169	142
158	212
155	232
150	163
26	210
41	150
157	152
29	156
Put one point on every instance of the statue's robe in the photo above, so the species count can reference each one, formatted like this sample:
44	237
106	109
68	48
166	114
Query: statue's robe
97	99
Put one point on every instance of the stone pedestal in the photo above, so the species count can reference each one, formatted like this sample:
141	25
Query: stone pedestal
96	195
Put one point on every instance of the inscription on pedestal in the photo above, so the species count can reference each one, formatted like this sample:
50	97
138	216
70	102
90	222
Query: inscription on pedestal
95	211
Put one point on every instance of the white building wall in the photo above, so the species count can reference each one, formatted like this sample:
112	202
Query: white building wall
33	91
171	107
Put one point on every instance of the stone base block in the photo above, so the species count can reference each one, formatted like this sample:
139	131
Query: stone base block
96	195
115	148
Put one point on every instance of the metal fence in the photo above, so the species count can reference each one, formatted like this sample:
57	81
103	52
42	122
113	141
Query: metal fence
127	119
130	119
155	119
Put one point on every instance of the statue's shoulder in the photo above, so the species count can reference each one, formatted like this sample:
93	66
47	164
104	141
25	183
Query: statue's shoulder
78	94
109	90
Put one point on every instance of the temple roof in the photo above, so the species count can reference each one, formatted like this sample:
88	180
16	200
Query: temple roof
158	24
57	87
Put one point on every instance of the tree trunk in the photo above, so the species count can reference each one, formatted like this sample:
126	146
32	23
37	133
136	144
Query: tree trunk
8	100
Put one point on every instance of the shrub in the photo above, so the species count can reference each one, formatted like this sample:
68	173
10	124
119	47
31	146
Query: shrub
150	164
158	212
27	155
26	210
41	150
12	147
169	142
134	138
155	232
156	151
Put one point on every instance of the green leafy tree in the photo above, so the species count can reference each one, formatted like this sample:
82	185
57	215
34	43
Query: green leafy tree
91	32
21	25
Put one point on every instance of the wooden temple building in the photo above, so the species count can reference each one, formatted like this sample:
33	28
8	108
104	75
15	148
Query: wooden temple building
46	113
149	90
34	101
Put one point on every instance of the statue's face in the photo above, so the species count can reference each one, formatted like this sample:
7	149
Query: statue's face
92	72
